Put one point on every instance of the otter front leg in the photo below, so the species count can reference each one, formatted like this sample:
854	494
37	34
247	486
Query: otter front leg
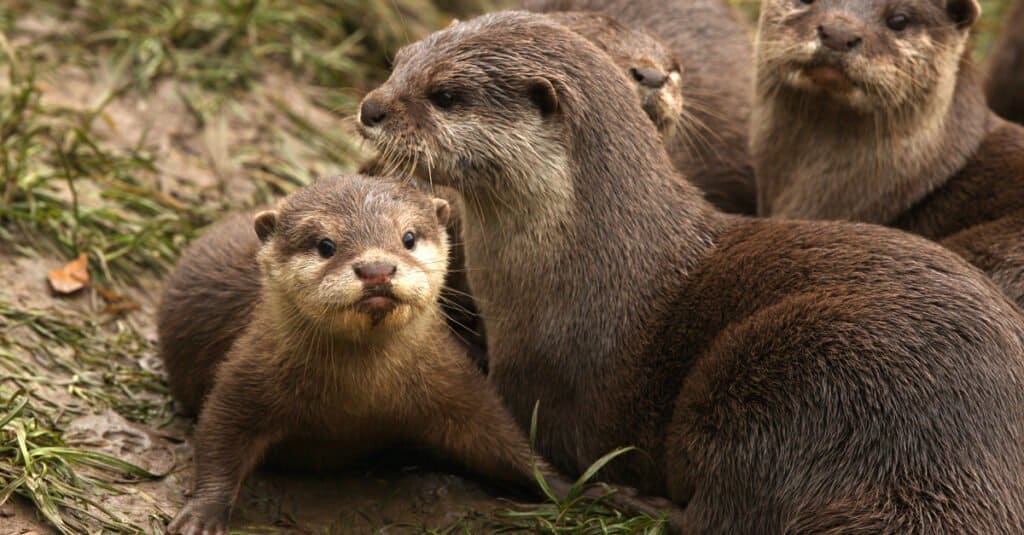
231	437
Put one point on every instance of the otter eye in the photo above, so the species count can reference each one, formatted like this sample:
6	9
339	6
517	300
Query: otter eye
326	248
807	2
409	240
442	99
897	22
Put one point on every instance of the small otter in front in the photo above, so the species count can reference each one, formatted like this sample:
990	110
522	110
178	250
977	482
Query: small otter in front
707	46
781	376
315	329
1004	86
871	111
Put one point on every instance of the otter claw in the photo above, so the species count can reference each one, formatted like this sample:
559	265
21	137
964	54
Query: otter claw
200	519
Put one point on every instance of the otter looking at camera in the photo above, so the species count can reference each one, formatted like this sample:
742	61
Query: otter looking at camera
312	334
871	111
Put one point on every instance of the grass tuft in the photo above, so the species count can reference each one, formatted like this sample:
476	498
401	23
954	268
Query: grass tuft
56	368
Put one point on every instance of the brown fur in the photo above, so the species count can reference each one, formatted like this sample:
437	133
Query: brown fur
307	371
780	375
1005	85
912	145
712	44
457	302
633	51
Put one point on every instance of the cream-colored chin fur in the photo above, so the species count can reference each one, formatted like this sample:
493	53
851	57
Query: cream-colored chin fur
330	300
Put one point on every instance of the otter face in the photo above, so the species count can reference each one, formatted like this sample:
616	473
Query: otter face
463	108
870	55
354	254
648	62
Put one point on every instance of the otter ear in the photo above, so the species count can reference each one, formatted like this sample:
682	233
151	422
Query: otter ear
443	210
264	223
543	94
963	12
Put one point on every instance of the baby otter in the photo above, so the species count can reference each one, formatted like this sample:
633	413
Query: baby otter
460	310
782	376
705	115
316	329
1004	87
871	111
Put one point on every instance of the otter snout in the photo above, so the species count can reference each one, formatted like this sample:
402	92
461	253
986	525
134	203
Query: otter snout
371	112
649	77
375	273
839	35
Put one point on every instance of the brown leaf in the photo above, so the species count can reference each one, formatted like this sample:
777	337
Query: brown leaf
72	277
116	303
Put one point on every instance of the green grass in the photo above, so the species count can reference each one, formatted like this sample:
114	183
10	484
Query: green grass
55	367
63	184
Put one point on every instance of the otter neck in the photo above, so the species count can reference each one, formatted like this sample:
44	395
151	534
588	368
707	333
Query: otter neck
571	298
817	159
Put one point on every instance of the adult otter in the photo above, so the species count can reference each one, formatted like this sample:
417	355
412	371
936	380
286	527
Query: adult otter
781	376
870	111
1004	87
713	45
320	333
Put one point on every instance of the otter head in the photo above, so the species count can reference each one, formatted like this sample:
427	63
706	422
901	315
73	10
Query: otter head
868	55
506	106
651	65
355	255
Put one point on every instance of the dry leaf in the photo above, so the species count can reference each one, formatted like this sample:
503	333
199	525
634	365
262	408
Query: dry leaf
72	277
116	303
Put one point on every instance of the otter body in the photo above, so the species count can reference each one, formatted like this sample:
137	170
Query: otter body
857	120
781	376
318	332
1005	85
711	46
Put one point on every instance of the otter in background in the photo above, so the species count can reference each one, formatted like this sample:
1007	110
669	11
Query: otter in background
871	111
711	48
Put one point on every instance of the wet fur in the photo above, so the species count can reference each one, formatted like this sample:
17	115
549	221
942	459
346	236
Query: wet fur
912	145
780	375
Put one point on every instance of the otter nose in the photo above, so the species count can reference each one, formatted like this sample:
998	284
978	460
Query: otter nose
649	77
838	38
375	273
371	112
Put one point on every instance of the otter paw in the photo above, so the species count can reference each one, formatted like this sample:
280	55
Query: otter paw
198	518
